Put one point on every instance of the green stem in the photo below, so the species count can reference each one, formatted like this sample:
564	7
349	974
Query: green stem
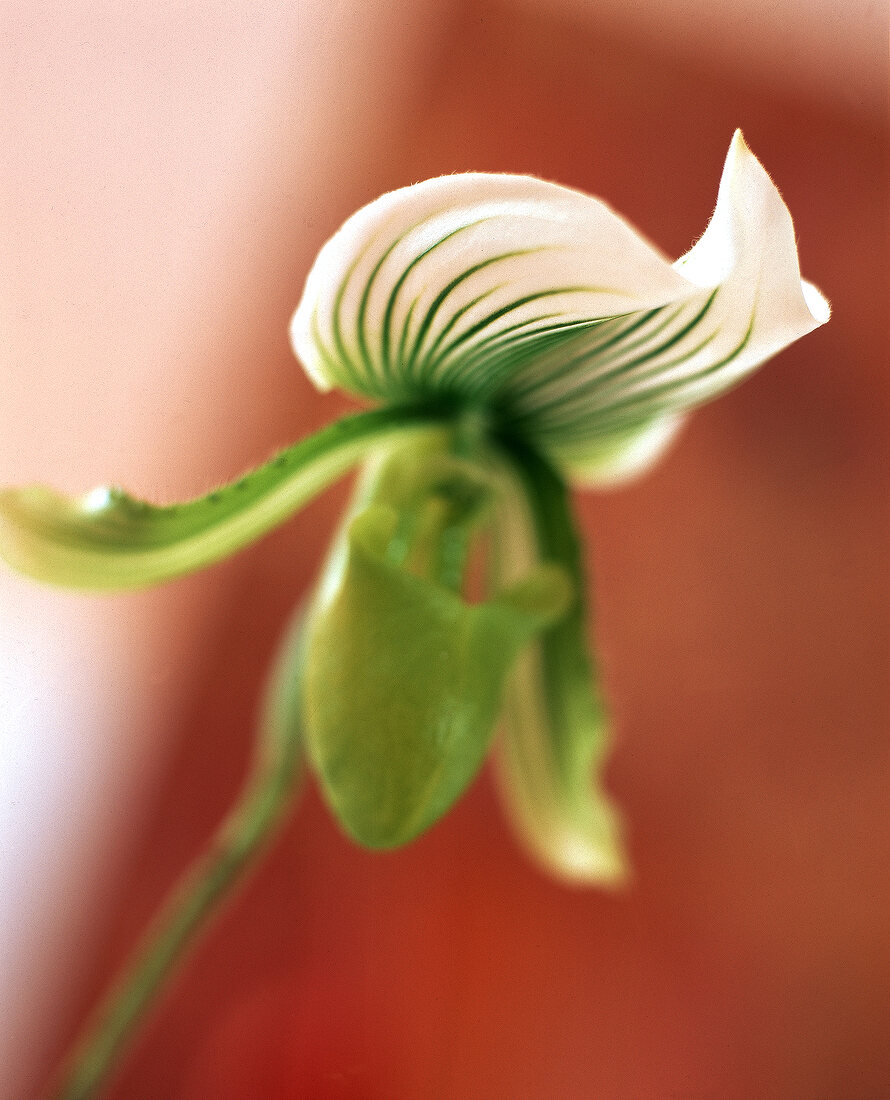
187	912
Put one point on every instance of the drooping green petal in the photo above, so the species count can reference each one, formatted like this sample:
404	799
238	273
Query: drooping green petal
555	727
541	304
109	540
404	678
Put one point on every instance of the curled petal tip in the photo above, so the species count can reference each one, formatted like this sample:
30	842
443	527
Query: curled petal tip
817	303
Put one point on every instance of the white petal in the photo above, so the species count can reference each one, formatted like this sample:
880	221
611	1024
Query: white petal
547	307
749	250
434	288
750	305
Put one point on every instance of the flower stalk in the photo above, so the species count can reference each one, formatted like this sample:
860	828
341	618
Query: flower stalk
192	905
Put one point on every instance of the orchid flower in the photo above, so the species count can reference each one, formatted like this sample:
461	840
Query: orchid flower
517	337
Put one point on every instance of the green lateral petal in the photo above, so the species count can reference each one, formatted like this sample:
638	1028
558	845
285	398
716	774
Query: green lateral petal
109	540
555	726
403	677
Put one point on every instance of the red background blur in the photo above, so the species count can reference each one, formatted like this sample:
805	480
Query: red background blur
743	615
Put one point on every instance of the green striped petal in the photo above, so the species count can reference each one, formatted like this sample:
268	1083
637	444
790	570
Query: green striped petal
109	540
444	287
555	728
544	306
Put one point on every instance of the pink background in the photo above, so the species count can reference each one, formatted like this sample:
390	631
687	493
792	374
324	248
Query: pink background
169	173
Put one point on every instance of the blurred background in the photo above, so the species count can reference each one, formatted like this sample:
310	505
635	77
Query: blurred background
170	171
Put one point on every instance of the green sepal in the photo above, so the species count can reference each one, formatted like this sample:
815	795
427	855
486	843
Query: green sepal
109	540
403	683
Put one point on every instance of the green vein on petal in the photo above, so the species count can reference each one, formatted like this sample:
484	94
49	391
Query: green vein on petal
602	382
443	295
482	375
482	361
503	311
669	397
599	392
336	328
406	328
109	540
430	361
361	333
533	381
399	283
